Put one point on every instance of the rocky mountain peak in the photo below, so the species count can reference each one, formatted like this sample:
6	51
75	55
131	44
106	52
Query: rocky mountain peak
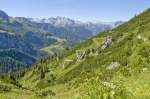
3	16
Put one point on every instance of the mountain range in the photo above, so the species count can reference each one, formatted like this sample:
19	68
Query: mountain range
33	39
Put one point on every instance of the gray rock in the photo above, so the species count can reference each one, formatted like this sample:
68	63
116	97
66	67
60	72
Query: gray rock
80	55
107	42
113	65
88	51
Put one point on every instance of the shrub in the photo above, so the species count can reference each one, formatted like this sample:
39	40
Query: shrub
4	88
106	90
45	92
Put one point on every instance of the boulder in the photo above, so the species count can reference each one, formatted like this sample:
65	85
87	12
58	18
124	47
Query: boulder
113	65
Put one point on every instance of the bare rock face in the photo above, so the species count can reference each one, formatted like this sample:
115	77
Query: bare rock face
80	55
88	51
113	65
107	42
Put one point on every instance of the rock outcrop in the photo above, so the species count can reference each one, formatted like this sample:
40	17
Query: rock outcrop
80	55
107	42
113	65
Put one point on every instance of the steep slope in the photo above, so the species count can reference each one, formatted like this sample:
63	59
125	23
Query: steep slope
46	36
37	37
3	17
21	43
18	55
11	40
113	65
15	53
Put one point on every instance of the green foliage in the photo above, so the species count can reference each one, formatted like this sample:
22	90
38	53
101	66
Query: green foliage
144	51
45	92
106	90
4	88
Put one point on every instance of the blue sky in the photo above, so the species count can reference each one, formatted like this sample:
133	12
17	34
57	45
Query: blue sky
84	10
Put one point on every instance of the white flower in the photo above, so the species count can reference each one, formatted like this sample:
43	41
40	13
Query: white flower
107	84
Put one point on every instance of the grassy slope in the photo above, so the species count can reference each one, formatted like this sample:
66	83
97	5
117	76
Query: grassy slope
89	78
58	46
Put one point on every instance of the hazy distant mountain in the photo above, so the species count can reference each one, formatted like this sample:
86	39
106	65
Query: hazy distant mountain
72	30
67	22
